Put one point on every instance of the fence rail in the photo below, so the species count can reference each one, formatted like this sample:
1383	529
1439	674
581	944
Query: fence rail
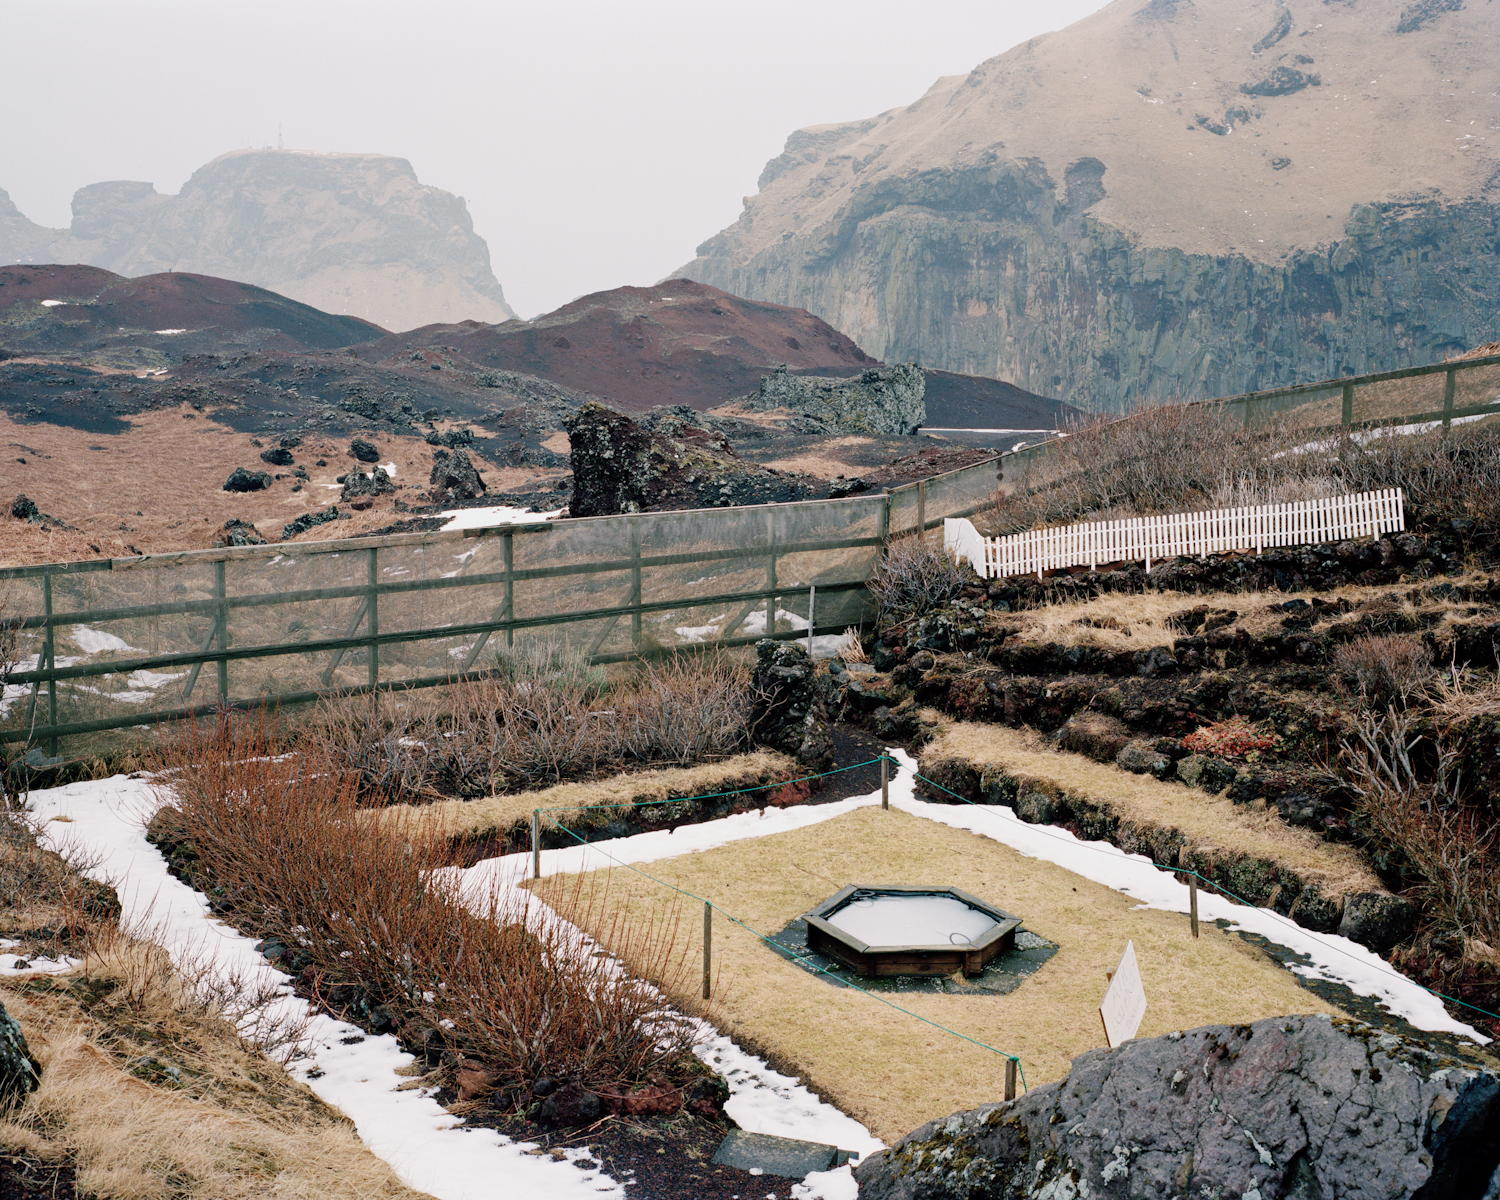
109	644
1263	526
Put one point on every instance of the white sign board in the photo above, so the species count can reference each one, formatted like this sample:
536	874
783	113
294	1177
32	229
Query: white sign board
1124	1001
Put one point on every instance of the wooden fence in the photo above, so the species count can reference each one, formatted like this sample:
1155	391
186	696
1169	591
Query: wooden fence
1264	526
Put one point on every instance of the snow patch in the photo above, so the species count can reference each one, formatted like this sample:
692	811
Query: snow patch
495	514
96	641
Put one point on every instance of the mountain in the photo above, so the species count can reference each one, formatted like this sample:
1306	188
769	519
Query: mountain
346	233
1166	198
51	308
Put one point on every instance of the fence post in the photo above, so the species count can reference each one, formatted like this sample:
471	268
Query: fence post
1347	416
372	617
1193	902
221	632
922	510
1448	389
1010	1078
49	653
708	941
536	843
812	599
885	781
771	598
635	584
507	551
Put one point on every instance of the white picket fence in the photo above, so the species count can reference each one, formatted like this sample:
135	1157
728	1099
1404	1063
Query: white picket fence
1265	526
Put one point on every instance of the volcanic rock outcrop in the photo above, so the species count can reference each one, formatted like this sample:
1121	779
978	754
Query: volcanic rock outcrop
1164	200
347	233
1286	1107
619	466
878	400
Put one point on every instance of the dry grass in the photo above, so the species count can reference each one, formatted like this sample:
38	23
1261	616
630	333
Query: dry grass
495	814
886	1068
1207	820
159	486
1125	621
148	1087
228	1124
914	576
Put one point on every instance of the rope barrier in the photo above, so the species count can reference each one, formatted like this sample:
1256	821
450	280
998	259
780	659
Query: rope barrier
799	959
1046	831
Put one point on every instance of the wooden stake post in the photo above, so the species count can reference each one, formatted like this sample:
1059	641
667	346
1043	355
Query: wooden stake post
1193	903
885	781
1010	1079
536	843
708	941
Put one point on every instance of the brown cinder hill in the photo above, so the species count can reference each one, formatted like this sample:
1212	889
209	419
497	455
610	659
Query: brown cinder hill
1166	198
678	342
99	307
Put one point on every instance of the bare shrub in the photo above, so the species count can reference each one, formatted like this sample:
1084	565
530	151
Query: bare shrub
1181	458
1170	458
542	720
1384	670
915	576
1409	795
682	710
1455	472
283	840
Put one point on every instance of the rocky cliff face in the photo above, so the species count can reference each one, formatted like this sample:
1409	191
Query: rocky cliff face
1293	1107
1163	200
353	234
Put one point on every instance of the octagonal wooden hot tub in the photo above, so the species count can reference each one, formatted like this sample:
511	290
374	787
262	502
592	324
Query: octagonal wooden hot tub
910	929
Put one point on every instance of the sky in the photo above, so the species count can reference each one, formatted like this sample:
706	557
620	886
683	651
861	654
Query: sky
596	144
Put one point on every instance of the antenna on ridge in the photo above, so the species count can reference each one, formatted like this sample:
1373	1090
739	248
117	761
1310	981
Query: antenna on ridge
279	146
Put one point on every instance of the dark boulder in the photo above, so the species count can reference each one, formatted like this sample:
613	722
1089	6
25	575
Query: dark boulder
1143	758
23	508
621	466
309	520
366	452
785	713
1287	1107
1376	920
239	533
1205	771
571	1106
20	1073
241	480
360	490
454	477
277	456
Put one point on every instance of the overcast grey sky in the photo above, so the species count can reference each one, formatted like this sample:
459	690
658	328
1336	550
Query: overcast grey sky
596	143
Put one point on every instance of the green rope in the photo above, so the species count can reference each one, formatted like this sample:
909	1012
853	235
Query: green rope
801	961
760	787
1217	887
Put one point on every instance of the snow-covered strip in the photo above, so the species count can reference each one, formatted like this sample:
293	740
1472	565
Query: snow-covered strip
1331	957
494	514
348	1068
170	332
96	641
52	303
